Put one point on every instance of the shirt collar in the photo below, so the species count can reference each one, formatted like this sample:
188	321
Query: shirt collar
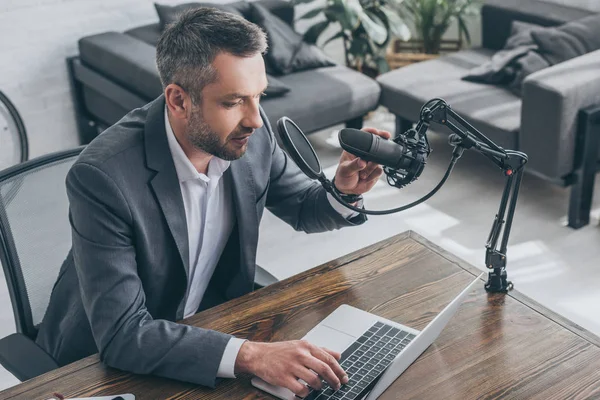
184	167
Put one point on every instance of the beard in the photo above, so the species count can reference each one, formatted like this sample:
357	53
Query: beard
200	134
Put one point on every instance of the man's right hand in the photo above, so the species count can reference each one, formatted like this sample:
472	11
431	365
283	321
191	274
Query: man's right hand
283	363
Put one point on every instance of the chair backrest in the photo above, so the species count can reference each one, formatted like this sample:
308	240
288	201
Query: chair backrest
35	234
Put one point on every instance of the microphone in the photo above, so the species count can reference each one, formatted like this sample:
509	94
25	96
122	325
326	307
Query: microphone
403	159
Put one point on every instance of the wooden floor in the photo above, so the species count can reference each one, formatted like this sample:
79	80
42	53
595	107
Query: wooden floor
554	265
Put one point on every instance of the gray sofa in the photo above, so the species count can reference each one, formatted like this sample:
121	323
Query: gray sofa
115	72
556	121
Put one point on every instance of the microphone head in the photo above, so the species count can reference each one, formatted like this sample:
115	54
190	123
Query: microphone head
370	147
403	158
355	139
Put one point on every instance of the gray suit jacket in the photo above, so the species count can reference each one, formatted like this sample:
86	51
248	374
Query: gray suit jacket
124	281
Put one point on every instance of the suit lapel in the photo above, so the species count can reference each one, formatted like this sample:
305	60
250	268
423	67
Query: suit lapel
165	183
165	186
168	193
244	198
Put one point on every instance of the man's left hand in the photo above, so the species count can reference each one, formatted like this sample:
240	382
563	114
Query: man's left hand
356	176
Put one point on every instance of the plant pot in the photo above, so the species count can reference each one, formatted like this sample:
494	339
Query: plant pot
401	53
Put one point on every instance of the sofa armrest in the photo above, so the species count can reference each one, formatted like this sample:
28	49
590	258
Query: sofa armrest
552	99
283	9
124	59
497	17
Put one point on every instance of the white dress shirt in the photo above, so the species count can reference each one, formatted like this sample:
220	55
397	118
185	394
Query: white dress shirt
210	219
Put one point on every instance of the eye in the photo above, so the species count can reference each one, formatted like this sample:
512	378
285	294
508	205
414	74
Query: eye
231	105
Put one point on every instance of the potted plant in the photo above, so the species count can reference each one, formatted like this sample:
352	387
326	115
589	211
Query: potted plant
432	18
365	26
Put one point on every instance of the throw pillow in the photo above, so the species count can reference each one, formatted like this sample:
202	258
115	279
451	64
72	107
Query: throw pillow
169	14
275	88
570	40
499	69
287	51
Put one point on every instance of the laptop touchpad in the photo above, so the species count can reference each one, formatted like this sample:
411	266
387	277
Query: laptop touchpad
323	336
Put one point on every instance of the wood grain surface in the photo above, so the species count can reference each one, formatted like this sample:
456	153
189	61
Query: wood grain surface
496	346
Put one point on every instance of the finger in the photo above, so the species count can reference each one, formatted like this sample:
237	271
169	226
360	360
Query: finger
297	387
374	131
365	173
347	156
375	174
348	168
335	354
368	184
324	371
309	377
331	363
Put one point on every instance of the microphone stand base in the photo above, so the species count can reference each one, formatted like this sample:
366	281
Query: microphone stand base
497	281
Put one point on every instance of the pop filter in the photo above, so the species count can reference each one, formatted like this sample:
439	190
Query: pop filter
299	148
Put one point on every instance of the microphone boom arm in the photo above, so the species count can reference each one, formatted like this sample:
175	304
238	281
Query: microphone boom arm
512	163
465	136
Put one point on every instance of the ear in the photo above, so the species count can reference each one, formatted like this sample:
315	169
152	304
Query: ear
178	101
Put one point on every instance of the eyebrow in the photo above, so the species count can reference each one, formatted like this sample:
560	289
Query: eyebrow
240	95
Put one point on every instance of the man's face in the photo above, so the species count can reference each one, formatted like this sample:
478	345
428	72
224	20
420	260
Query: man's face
228	112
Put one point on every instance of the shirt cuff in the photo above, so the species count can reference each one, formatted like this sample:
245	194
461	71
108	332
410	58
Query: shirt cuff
344	211
227	365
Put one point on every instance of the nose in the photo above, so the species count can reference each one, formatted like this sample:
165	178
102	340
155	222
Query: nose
252	119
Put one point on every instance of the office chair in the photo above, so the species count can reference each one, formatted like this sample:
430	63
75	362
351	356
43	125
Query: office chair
35	237
13	136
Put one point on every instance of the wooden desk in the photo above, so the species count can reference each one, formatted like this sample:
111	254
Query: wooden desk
496	346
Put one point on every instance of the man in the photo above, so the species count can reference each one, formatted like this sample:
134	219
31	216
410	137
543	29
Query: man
165	209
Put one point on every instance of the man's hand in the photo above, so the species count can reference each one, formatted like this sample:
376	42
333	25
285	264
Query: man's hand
356	176
283	363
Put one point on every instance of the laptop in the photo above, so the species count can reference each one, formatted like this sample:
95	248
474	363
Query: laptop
375	351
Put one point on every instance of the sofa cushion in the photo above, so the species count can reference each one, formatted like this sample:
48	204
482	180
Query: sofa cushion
146	33
518	59
323	97
500	69
570	40
169	14
287	51
584	5
125	60
497	16
493	110
275	87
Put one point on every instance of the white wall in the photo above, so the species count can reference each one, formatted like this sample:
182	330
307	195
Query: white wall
36	36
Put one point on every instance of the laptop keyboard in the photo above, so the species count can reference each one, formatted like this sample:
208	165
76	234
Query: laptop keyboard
364	362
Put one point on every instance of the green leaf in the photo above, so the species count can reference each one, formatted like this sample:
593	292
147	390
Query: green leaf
463	29
353	5
382	65
312	13
346	16
358	47
338	35
374	27
397	26
312	34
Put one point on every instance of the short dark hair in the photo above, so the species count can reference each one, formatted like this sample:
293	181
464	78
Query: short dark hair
187	47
